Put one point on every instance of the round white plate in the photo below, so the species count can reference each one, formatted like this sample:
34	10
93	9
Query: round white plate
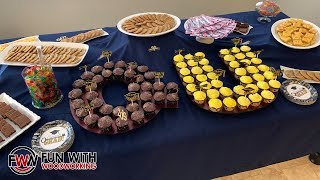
119	25
276	36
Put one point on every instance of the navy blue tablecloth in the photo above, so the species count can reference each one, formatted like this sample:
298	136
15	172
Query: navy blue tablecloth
185	143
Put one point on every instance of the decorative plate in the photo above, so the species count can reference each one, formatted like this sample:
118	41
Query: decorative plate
55	136
299	92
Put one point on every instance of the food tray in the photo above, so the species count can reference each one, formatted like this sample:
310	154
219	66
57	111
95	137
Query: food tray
61	44
14	104
284	68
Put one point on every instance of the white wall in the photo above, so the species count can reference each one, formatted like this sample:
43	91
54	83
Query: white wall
30	17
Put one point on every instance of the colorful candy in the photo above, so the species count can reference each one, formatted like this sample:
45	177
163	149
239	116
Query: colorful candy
42	86
268	8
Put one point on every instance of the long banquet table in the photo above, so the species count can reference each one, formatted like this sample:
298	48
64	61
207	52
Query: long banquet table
185	143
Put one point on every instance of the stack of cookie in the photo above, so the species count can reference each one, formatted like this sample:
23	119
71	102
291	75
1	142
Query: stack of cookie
303	75
83	37
149	24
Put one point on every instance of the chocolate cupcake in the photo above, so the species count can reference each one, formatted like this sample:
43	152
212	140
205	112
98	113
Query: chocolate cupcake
91	120
108	65
122	125
120	64
145	96
134	87
118	109
158	86
118	73
93	87
96	69
107	74
149	76
79	83
142	69
149	109
172	99
139	78
81	113
106	109
172	87
146	86
75	93
91	95
105	124
132	107
87	75
77	103
137	117
97	79
96	103
129	74
159	98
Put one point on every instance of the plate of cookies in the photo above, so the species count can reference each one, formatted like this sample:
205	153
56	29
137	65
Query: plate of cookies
296	33
57	54
148	24
304	75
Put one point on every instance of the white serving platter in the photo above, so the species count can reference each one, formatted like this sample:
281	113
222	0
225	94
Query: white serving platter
60	44
176	19
284	68
23	110
276	36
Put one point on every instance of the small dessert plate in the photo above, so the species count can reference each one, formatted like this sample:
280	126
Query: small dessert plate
55	136
299	92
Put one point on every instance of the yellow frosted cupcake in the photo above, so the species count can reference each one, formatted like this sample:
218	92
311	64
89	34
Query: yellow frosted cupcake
204	62
263	85
196	71
267	96
238	91
224	52
245	80
188	56
251	54
211	76
213	93
215	105
243	102
216	83
191	88
229	104
184	72
225	92
188	80
258	77
181	65
199	97
178	58
245	48
274	85
235	50
254	87
200	54
207	68
233	65
256	61
255	99
240	56
263	68
228	58
201	78
268	75
252	70
192	63
240	72
205	85
245	62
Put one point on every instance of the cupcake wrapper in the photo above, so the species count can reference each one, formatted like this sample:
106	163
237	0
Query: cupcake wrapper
124	128
231	69
149	114
242	107
228	108
92	125
138	123
172	103
107	129
159	102
215	110
256	104
274	90
199	102
267	101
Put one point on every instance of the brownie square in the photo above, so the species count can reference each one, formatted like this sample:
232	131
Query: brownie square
14	115
9	112
2	123
2	104
21	121
7	130
4	109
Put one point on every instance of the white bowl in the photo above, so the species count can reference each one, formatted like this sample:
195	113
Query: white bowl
176	19
276	36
